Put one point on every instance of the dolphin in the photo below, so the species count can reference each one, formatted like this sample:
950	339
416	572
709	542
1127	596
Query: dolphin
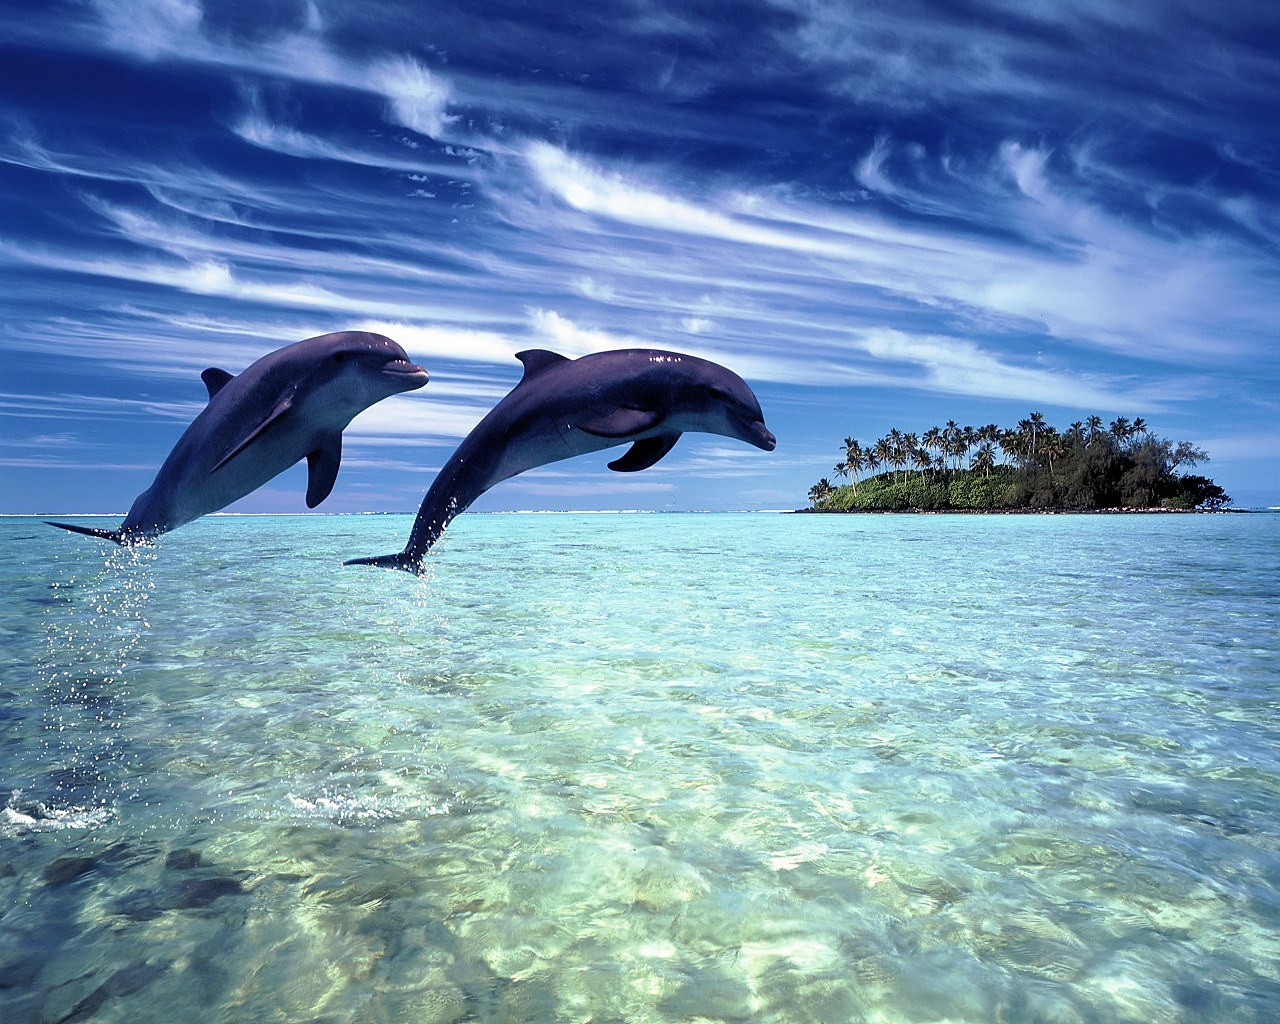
290	404
565	407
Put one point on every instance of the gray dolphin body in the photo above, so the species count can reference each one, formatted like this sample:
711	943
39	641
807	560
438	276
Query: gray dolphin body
291	404
565	407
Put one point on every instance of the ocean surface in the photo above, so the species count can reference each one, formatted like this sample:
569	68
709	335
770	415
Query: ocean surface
644	768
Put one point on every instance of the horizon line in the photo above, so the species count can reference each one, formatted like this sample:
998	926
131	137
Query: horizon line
491	512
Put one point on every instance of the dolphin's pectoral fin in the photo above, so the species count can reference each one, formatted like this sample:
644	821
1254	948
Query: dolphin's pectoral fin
322	469
621	422
538	359
215	380
284	405
644	454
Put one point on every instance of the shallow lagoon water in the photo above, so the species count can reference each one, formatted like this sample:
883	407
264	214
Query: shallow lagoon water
644	768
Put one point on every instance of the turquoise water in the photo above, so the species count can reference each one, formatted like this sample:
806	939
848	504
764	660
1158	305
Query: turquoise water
608	768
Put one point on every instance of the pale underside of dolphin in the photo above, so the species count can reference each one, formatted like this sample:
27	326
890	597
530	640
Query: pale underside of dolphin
291	404
565	407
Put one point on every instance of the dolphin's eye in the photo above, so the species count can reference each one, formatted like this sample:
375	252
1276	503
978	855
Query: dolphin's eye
339	357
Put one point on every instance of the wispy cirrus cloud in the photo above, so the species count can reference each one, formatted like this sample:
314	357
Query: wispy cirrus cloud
219	279
570	338
1072	269
416	421
958	366
257	130
178	30
895	56
615	196
839	202
60	405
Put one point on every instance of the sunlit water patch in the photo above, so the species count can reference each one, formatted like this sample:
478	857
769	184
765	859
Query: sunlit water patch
644	768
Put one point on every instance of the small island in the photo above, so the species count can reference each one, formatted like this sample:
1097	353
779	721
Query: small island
1033	467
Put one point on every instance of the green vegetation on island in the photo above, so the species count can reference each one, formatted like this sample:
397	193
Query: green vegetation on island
1035	466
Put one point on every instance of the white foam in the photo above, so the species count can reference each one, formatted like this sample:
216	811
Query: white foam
36	817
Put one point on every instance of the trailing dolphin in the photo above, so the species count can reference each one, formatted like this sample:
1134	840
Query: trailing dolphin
565	407
291	404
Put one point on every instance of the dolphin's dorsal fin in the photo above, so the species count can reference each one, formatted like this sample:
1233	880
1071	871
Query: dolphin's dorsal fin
322	469
215	380
536	360
282	407
644	454
621	422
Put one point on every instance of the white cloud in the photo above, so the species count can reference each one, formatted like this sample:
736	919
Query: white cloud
614	487
194	242
447	342
258	131
217	278
1027	167
870	169
571	339
590	288
962	367
696	324
611	195
59	460
417	98
174	30
415	420
1256	446
61	405
150	28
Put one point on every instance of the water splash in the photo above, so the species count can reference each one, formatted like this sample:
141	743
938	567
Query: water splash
94	633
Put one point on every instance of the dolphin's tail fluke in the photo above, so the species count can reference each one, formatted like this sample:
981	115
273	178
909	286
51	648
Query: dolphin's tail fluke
400	560
112	535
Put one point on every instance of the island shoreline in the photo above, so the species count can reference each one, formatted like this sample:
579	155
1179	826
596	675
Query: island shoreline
1021	511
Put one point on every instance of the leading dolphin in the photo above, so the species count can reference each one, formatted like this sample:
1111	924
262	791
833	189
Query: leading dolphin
290	404
565	407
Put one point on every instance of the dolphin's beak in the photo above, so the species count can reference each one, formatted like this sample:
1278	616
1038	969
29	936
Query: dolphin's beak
751	429
760	436
409	375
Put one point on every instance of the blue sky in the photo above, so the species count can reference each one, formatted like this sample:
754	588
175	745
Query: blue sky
885	214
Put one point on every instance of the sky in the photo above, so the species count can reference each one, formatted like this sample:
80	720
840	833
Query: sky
880	214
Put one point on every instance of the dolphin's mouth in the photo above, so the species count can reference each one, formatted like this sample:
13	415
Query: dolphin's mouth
756	433
410	374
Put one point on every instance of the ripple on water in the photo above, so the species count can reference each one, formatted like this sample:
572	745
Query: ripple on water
649	768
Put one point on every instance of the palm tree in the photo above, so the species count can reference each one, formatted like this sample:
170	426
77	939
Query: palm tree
1121	429
949	435
897	459
989	434
872	457
861	461
820	491
984	458
1053	446
965	442
932	440
897	452
1094	426
882	452
854	459
909	445
1037	427
921	458
1013	443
